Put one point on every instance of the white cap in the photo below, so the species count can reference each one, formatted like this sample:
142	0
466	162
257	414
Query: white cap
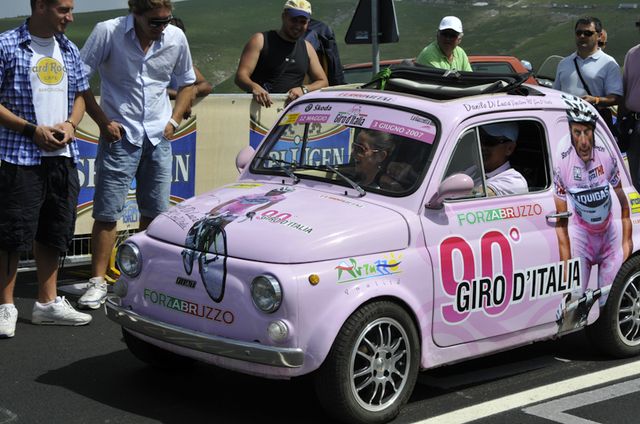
451	22
507	130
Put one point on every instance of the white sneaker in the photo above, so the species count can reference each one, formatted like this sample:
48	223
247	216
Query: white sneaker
59	312
8	318
95	295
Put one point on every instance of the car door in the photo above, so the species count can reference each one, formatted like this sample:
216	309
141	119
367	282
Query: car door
496	261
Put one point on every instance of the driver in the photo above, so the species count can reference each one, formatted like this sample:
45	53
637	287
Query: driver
498	141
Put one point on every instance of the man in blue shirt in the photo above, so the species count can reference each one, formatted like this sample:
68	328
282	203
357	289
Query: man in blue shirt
589	72
41	80
136	56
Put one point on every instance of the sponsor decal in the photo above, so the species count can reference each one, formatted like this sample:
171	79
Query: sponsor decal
310	118
283	218
187	307
341	200
596	172
577	173
185	282
491	292
244	185
289	119
351	270
421	119
360	288
354	117
367	96
500	214
506	103
402	130
634	199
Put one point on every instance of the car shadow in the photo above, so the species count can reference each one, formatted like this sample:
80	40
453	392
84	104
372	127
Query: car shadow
201	394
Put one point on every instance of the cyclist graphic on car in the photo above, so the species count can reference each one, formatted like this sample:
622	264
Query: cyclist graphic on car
586	175
207	239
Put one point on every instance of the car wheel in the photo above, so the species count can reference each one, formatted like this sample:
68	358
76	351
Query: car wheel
153	355
617	330
372	366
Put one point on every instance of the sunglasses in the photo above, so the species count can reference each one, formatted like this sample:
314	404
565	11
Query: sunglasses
586	33
159	23
449	33
490	141
362	150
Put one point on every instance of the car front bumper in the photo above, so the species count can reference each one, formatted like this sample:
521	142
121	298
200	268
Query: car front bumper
244	351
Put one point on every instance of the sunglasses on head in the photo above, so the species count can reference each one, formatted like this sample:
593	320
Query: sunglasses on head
586	33
158	23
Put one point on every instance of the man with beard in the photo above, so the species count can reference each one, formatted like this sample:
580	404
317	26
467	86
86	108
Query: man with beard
278	61
136	56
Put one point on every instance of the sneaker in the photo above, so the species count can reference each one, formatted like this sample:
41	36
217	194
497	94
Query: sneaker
8	318
95	295
58	312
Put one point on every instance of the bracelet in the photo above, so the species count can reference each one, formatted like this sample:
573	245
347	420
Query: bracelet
72	124
29	130
304	88
174	124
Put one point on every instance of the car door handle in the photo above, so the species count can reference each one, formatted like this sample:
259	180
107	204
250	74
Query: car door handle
559	215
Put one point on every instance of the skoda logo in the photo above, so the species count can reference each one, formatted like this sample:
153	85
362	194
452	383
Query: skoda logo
308	108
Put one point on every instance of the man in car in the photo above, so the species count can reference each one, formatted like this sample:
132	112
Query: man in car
498	141
445	52
278	61
584	176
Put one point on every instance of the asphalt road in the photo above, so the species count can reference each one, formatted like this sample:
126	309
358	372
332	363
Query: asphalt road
86	375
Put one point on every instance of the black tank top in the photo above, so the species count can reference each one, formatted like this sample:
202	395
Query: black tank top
282	64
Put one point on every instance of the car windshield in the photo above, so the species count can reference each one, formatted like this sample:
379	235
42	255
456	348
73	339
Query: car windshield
365	147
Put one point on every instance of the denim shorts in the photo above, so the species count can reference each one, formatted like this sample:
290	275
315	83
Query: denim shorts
116	166
39	203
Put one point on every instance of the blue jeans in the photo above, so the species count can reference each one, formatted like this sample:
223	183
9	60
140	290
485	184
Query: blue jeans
116	166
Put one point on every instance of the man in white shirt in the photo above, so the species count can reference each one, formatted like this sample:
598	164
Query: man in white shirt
498	141
136	56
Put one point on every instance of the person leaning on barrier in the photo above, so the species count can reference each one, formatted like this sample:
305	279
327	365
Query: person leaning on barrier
201	88
498	141
278	61
41	80
445	52
136	56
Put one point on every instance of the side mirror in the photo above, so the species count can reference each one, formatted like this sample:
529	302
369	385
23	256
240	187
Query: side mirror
244	158
456	185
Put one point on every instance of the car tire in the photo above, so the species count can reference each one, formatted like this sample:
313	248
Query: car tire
153	355
617	330
372	367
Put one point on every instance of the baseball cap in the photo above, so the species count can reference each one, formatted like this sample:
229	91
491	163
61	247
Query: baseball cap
296	8
450	22
507	130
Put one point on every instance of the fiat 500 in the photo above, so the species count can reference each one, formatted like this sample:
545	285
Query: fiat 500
375	234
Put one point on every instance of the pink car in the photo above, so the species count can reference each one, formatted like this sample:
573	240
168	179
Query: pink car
375	234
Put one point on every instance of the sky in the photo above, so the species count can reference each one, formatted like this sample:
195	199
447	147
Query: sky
12	8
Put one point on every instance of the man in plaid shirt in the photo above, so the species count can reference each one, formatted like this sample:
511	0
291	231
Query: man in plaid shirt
41	104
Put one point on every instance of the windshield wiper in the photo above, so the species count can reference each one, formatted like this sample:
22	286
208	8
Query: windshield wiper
288	169
352	183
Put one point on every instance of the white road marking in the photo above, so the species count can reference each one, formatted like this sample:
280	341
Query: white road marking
554	410
539	394
7	416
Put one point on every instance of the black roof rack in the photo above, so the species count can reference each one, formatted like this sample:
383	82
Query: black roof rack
444	84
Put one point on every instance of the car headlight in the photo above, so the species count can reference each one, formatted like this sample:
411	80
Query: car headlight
266	293
129	259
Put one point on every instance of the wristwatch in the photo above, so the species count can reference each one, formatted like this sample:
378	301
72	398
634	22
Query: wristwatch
304	88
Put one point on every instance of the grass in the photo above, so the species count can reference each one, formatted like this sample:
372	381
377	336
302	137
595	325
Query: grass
532	30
